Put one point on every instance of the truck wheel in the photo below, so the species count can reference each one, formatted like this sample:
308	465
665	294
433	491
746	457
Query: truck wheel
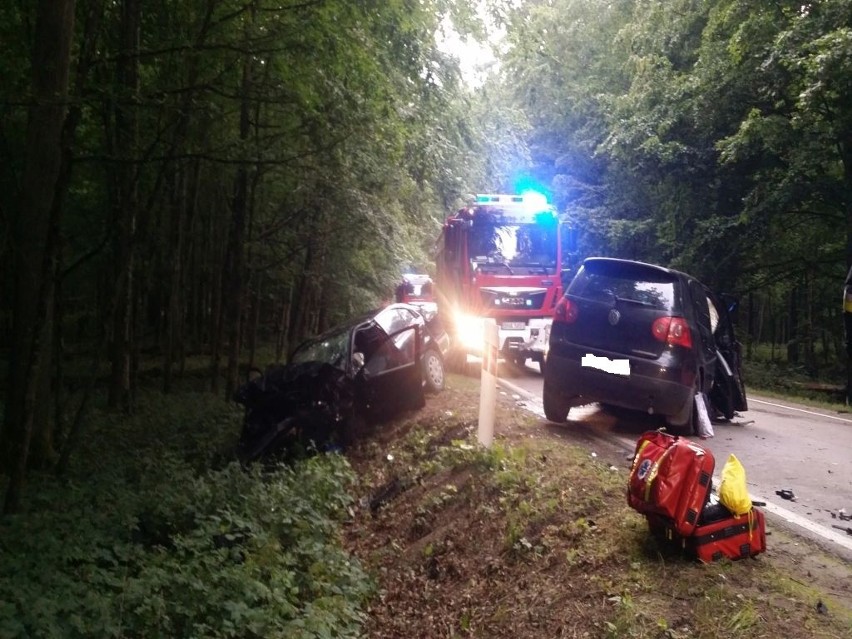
433	371
555	407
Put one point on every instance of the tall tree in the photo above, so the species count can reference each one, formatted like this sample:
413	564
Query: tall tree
35	235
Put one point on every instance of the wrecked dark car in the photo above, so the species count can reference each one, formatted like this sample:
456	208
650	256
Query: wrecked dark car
645	338
368	369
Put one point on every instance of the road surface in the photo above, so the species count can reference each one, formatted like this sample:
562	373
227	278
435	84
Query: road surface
783	447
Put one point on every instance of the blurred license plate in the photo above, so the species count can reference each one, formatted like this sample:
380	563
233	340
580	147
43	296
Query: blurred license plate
509	326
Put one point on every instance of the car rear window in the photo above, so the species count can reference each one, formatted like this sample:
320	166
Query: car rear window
608	282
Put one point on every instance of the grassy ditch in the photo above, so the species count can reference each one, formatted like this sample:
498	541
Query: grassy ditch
155	532
533	538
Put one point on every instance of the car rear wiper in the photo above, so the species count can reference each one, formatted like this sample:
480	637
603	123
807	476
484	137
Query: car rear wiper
630	300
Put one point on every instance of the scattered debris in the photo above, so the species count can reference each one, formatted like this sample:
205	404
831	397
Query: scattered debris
845	529
821	608
787	494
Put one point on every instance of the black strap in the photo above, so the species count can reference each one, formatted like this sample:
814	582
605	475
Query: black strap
722	533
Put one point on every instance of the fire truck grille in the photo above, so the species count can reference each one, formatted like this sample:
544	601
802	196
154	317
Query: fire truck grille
513	302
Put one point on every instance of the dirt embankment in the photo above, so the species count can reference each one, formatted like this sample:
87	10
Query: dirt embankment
533	538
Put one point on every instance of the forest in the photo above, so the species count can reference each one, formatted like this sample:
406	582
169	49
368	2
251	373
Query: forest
213	180
188	188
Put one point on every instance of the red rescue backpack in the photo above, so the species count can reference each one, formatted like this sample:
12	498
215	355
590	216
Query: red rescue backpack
671	477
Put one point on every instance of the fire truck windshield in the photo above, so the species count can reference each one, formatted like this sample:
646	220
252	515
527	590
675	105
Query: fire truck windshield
514	248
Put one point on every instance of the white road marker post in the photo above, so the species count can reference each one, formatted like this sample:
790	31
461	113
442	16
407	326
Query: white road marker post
488	383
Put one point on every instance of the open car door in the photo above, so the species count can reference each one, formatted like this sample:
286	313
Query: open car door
390	379
728	393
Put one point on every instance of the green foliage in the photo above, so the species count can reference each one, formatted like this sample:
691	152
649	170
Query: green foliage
143	540
707	136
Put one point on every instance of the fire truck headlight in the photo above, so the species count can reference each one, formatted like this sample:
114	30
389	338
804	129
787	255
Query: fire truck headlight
470	332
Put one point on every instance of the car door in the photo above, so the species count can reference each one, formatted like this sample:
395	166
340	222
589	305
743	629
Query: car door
728	393
705	320
389	380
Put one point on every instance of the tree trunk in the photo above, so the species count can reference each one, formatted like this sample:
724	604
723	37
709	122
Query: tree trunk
35	235
255	319
793	330
235	258
282	330
127	204
173	308
846	156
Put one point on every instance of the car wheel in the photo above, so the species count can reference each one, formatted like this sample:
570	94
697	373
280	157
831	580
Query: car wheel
555	407
540	361
433	371
721	398
689	425
519	361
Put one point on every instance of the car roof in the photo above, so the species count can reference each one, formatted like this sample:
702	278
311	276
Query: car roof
358	320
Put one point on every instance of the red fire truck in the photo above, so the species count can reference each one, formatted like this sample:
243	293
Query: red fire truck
501	257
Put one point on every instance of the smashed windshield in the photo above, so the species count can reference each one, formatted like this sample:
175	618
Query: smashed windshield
516	248
331	348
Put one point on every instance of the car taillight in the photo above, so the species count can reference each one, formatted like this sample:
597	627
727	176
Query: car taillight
565	311
673	331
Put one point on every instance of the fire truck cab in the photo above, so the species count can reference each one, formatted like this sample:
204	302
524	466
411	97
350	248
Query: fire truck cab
500	257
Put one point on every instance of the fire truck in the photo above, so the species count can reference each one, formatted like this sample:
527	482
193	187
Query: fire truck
500	257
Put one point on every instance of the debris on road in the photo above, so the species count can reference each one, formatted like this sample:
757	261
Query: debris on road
841	514
787	494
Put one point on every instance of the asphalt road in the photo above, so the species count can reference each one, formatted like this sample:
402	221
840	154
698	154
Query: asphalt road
782	446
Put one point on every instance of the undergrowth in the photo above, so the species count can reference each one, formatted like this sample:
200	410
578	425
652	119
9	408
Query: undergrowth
156	532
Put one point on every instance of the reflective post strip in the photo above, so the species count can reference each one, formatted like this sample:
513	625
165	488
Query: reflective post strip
488	383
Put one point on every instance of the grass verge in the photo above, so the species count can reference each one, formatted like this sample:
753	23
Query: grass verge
533	538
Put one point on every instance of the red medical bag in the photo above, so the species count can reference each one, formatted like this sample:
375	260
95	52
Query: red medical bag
671	477
719	535
732	537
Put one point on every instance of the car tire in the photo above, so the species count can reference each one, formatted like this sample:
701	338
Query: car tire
433	371
721	398
519	361
555	407
689	426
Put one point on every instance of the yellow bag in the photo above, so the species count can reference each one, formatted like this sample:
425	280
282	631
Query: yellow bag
733	493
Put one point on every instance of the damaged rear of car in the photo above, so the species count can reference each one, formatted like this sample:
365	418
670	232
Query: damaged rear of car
366	370
645	338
